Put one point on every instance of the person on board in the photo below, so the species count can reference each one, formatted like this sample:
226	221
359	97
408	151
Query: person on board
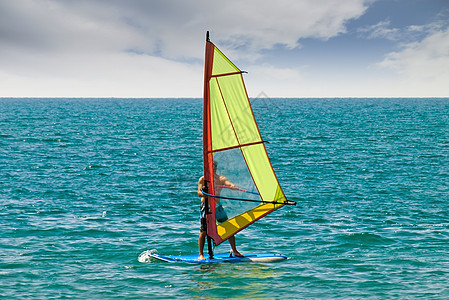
219	180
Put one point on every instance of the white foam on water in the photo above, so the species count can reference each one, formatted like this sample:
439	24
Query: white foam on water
145	256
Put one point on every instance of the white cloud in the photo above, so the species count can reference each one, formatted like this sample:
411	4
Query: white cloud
423	64
109	75
261	25
273	81
384	30
380	30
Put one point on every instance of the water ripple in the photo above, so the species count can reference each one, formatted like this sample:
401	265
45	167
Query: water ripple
90	184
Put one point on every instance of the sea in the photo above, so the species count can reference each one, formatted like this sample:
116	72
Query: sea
89	185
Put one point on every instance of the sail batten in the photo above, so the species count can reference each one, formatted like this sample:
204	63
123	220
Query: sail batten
234	152
238	146
228	74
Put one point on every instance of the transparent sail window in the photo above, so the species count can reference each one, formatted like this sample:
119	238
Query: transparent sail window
232	170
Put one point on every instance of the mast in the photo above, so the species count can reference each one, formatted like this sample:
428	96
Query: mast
207	137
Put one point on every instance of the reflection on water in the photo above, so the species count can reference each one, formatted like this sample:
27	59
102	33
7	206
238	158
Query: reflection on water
219	280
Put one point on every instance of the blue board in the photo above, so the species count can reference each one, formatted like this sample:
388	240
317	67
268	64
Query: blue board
220	258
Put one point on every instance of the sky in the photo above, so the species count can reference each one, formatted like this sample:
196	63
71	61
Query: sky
290	48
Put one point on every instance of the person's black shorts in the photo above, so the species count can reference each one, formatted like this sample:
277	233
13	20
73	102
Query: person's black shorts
203	226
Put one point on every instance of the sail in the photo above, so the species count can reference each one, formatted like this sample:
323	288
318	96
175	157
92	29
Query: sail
233	145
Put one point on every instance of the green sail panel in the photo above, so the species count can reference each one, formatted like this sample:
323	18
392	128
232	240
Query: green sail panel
262	173
221	64
234	123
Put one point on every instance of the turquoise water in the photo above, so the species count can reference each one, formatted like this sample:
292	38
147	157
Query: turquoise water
89	184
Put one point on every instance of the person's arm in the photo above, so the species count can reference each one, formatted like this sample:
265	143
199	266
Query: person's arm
229	184
200	186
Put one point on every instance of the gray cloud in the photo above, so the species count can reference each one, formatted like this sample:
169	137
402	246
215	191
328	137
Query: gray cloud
53	48
171	28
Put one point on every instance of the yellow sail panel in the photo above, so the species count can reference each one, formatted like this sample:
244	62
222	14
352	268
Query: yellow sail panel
230	227
221	64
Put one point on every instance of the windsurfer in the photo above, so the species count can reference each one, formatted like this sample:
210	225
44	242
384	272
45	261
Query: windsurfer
219	180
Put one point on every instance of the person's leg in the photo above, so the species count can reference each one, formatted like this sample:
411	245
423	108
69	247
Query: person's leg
201	241
233	247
